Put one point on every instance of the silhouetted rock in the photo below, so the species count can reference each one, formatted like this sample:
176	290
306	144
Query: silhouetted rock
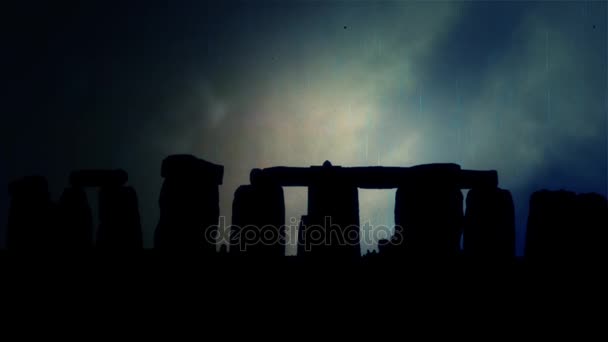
562	226
98	178
258	221
31	215
119	222
429	219
565	227
75	220
303	238
189	166
334	205
551	223
189	204
489	229
379	177
590	234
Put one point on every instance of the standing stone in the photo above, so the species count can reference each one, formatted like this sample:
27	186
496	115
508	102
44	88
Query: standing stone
551	221
75	226
119	222
590	234
333	204
429	219
258	221
31	215
489	228
303	238
189	204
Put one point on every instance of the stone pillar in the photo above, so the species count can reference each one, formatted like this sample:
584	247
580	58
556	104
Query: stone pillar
551	221
428	219
31	215
258	221
591	235
189	204
303	237
75	226
489	229
119	222
563	226
333	204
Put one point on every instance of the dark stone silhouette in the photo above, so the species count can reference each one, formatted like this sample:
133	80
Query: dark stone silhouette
31	215
429	220
189	204
565	227
379	177
119	222
334	205
591	235
551	223
304	237
75	220
258	221
489	228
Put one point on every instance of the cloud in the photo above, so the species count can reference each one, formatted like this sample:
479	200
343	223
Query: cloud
519	87
392	90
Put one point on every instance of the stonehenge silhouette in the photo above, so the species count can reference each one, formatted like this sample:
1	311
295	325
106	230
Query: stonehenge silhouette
429	217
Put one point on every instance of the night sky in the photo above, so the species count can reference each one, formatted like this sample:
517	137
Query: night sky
520	87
